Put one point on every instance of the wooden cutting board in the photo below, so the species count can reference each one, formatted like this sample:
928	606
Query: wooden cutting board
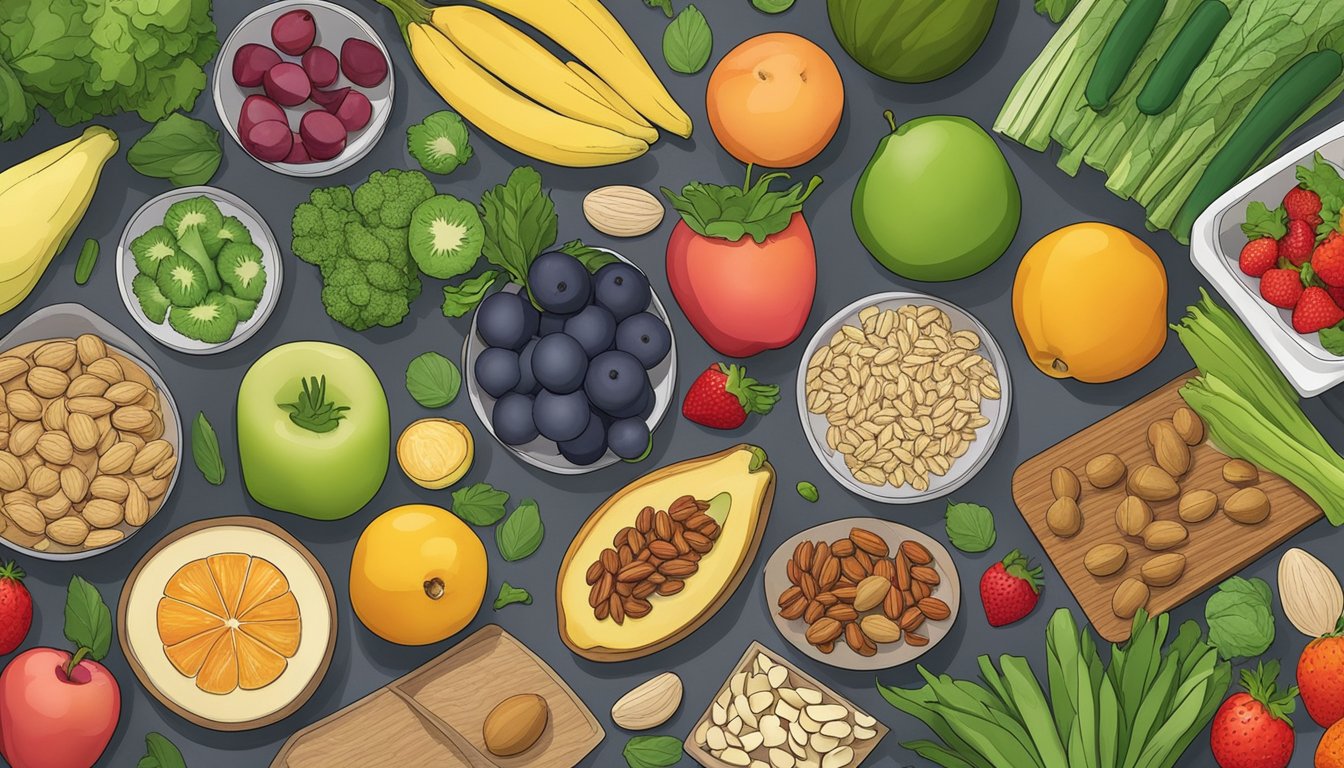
1215	549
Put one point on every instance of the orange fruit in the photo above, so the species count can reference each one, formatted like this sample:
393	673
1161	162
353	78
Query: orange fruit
418	575
775	100
229	621
1330	751
1090	302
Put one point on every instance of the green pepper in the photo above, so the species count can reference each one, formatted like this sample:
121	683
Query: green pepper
313	430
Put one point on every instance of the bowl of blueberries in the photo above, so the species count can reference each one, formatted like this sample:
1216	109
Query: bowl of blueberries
579	376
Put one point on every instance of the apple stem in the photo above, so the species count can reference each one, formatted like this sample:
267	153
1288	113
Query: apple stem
75	660
891	119
746	184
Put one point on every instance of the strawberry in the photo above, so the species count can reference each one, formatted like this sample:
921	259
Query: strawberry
1298	244
1252	729
1302	204
16	608
1281	287
1315	310
1259	256
1336	293
723	396
1328	260
1320	675
1009	590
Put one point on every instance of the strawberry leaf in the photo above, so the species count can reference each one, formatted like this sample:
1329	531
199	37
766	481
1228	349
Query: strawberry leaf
1262	222
1262	684
754	396
1333	341
733	213
1016	564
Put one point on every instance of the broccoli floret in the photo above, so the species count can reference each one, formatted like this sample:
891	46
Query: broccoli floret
352	296
319	225
388	198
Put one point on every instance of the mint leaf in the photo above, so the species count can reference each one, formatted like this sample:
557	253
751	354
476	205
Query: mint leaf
509	594
88	622
1333	340
1262	222
520	222
178	148
1241	624
160	753
521	534
772	6
652	751
592	258
663	5
433	380
462	298
688	41
480	504
205	450
732	213
970	527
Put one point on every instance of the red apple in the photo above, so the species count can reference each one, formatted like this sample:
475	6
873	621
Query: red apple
49	719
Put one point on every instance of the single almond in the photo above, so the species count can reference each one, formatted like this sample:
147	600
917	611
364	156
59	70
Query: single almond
23	405
870	592
1197	506
935	609
149	457
107	369
1163	570
136	509
880	629
823	630
26	517
70	531
93	406
54	506
869	542
103	513
1152	483
1248	506
43	480
1188	425
74	484
125	392
13	474
1064	484
23	438
1105	559
1164	534
82	430
649	704
1240	472
108	487
103	538
1064	518
623	211
56	354
118	459
1129	597
911	619
56	415
1169	450
86	385
132	418
47	382
12	367
55	447
1312	598
90	348
1105	470
916	553
1132	515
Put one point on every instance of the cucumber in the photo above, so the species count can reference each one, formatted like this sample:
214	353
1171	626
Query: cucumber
1268	120
1186	52
1121	49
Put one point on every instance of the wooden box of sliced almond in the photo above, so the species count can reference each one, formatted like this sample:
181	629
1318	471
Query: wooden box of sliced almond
769	712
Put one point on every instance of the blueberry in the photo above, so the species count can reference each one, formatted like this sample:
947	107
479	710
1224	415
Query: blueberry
589	446
646	337
506	320
559	363
629	438
527	381
497	370
641	406
561	417
559	282
594	328
615	381
512	419
649	403
622	290
551	323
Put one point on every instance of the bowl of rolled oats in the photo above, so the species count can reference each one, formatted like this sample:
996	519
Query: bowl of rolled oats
903	397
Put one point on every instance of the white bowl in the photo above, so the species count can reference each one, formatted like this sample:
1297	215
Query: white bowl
1215	246
543	453
71	321
151	215
335	25
965	467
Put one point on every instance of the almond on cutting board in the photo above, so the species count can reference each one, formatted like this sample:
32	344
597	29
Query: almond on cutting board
515	724
1105	470
1249	506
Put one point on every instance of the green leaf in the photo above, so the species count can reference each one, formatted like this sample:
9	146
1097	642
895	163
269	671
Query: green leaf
970	527
520	222
439	143
1241	623
462	298
1262	222
592	258
663	5
1055	10
88	622
688	41
509	594
160	753
433	380
772	6
652	751
480	504
808	491
88	257
205	450
179	148
1333	340
732	213
521	534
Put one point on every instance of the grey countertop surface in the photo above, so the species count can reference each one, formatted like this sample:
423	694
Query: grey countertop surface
1044	410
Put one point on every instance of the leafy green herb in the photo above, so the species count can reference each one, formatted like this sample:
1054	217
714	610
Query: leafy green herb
1323	179
1241	622
509	594
732	213
178	148
520	222
1262	222
160	753
970	527
79	59
663	5
688	41
462	298
480	504
772	6
592	258
312	410
652	751
439	143
88	257
520	535
88	623
433	380
1333	340
808	491
1055	10
205	450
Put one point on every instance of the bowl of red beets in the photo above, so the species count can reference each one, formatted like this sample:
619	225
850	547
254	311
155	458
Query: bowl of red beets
304	87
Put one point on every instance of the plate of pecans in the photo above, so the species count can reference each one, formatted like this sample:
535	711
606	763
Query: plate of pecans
862	593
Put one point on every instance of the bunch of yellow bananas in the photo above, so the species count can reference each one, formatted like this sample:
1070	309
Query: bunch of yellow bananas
597	112
42	200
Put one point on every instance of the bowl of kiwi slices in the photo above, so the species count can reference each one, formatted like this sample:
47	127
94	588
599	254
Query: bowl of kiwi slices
199	270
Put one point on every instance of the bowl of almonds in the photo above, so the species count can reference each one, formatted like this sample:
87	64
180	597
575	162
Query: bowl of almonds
89	436
862	593
903	397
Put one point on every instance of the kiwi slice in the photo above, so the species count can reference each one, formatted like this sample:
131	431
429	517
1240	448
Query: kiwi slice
181	280
240	269
445	236
152	301
151	248
211	320
199	213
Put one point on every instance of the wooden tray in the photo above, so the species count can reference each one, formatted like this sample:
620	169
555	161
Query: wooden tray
702	756
1217	547
433	715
